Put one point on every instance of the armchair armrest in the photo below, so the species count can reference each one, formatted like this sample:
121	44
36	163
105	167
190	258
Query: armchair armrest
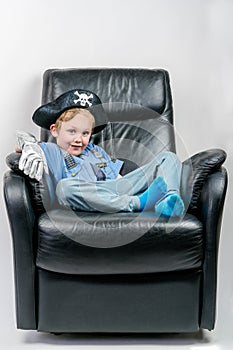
210	213
195	172
12	160
22	219
42	193
203	187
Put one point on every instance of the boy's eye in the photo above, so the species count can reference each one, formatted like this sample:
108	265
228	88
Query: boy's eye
86	133
73	131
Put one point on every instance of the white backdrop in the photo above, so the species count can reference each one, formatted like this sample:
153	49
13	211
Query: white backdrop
192	39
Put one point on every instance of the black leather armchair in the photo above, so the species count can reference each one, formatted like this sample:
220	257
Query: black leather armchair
164	278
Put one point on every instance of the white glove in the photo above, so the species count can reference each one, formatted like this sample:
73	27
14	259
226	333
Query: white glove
22	137
32	161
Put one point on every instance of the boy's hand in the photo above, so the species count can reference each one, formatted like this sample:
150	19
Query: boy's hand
32	161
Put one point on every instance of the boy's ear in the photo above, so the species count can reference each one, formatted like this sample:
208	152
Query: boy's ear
53	130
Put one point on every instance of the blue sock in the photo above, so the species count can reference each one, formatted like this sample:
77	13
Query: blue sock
154	192
171	205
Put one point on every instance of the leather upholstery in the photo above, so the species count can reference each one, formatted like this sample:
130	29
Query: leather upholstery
164	277
210	213
127	94
38	190
161	247
22	221
119	303
196	170
146	87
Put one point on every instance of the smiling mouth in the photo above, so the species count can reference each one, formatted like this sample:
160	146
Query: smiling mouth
76	146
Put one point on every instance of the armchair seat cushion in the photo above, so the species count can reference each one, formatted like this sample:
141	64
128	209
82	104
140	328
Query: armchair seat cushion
120	243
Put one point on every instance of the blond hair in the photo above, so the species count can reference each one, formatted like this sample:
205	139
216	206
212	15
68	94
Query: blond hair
71	113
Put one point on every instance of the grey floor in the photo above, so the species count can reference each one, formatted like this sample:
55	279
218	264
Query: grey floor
220	338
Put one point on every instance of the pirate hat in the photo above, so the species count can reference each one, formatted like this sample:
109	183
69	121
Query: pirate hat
47	114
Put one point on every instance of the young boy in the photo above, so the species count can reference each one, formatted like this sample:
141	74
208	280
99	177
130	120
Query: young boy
85	176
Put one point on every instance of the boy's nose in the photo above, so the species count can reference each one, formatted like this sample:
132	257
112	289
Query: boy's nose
77	137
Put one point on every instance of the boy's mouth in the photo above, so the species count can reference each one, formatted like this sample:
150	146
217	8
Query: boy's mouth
76	149
76	146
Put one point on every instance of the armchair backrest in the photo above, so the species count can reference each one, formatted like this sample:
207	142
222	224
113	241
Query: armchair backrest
138	102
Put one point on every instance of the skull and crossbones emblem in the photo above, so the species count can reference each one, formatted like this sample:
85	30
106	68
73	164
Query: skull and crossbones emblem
83	99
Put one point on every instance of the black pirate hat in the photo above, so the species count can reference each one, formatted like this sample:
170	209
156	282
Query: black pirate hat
47	114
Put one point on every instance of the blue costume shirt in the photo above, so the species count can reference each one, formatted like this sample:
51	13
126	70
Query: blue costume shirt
92	164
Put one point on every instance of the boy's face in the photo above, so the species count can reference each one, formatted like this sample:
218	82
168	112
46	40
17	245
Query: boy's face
74	135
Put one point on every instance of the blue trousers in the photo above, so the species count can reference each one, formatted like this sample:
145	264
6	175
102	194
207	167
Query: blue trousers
119	194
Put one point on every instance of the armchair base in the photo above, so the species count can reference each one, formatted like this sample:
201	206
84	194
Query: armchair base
146	303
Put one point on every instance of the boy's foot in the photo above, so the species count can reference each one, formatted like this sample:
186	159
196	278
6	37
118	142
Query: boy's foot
170	205
155	191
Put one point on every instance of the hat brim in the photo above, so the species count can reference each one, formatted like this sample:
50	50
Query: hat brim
47	114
